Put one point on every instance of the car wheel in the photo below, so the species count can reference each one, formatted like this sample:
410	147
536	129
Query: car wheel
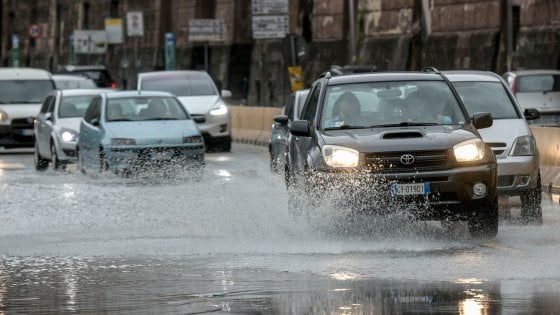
484	222
41	163
103	166
56	163
225	146
531	210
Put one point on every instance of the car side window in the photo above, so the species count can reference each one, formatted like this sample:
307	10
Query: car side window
289	108
94	110
310	107
48	104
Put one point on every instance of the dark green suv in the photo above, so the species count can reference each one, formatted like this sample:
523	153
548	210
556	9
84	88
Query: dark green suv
385	142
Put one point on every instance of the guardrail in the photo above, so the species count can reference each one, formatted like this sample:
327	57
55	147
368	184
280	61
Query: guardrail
253	125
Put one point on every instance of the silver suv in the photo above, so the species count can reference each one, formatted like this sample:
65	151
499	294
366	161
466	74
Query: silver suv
509	136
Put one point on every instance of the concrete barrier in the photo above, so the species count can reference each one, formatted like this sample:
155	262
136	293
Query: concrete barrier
254	124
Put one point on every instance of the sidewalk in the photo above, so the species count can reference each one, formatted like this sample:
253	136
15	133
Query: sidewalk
550	178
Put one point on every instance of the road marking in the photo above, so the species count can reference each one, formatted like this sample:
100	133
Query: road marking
11	166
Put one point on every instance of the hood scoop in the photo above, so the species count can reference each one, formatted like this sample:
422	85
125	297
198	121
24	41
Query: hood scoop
402	135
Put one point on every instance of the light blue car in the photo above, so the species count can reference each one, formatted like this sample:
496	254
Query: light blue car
129	132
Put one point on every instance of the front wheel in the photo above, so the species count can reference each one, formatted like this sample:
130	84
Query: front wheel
40	162
484	222
531	210
56	163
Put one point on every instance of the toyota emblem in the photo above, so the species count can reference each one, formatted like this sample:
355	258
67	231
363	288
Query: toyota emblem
407	159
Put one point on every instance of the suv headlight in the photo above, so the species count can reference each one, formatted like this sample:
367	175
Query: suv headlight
3	116
523	146
469	151
68	135
219	110
337	156
123	141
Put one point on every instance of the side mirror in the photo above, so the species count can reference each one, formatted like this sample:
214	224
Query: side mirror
282	120
226	93
531	114
95	122
482	120
48	116
301	128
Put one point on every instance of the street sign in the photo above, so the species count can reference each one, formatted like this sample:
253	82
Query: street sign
270	26
35	30
90	42
273	7
114	29
206	30
135	23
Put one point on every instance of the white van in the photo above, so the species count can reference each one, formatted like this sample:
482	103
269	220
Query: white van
22	91
509	136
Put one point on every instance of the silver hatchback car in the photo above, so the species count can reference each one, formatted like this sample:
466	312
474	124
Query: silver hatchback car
511	139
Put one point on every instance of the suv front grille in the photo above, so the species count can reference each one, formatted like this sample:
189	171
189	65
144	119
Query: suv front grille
391	161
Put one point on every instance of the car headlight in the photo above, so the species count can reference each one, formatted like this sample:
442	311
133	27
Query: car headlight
523	146
68	135
3	116
469	151
193	140
219	110
337	156
123	141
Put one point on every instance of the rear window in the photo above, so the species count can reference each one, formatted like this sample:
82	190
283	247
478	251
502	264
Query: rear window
74	106
538	83
24	91
490	97
180	85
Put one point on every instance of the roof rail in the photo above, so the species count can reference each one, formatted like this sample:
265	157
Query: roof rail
431	69
326	75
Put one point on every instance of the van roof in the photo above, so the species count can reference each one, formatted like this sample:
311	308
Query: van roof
24	74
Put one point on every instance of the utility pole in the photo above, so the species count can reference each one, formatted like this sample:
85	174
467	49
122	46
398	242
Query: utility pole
352	30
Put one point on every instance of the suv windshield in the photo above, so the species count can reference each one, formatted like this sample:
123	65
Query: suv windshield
490	97
180	85
364	105
24	91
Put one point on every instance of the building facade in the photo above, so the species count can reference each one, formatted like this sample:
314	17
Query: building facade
494	35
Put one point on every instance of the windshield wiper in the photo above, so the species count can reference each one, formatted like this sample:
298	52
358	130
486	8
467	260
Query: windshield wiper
121	119
346	127
162	118
405	124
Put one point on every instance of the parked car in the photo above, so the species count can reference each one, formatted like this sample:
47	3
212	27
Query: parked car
65	82
198	93
129	132
98	73
280	130
21	92
57	126
539	89
509	136
395	141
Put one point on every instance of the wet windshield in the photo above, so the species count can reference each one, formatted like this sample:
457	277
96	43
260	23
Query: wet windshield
24	91
490	97
145	108
407	103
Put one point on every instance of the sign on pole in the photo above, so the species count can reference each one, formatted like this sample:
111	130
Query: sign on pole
134	23
35	30
169	51
270	18
114	29
90	42
206	30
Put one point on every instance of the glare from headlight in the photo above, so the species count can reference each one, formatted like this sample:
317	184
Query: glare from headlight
220	110
469	151
337	156
3	116
123	141
192	139
69	136
523	146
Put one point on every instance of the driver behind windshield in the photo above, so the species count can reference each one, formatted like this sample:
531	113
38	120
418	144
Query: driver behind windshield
346	111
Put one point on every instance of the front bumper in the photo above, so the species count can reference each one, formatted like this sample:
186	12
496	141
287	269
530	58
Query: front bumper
138	159
517	174
19	133
450	194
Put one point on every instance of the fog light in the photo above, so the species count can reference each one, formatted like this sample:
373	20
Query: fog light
479	189
223	127
524	180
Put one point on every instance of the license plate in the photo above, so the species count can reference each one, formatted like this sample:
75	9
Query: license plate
410	189
26	132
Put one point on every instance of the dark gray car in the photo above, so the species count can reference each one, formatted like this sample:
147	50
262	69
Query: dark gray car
381	143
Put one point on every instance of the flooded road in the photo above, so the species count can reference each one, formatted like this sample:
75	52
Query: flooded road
71	243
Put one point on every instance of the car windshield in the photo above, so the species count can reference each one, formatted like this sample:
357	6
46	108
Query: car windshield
74	106
538	83
406	103
145	108
490	97
24	91
180	85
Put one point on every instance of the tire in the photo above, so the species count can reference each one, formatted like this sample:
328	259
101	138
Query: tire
41	163
56	163
225	146
484	222
103	166
531	210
